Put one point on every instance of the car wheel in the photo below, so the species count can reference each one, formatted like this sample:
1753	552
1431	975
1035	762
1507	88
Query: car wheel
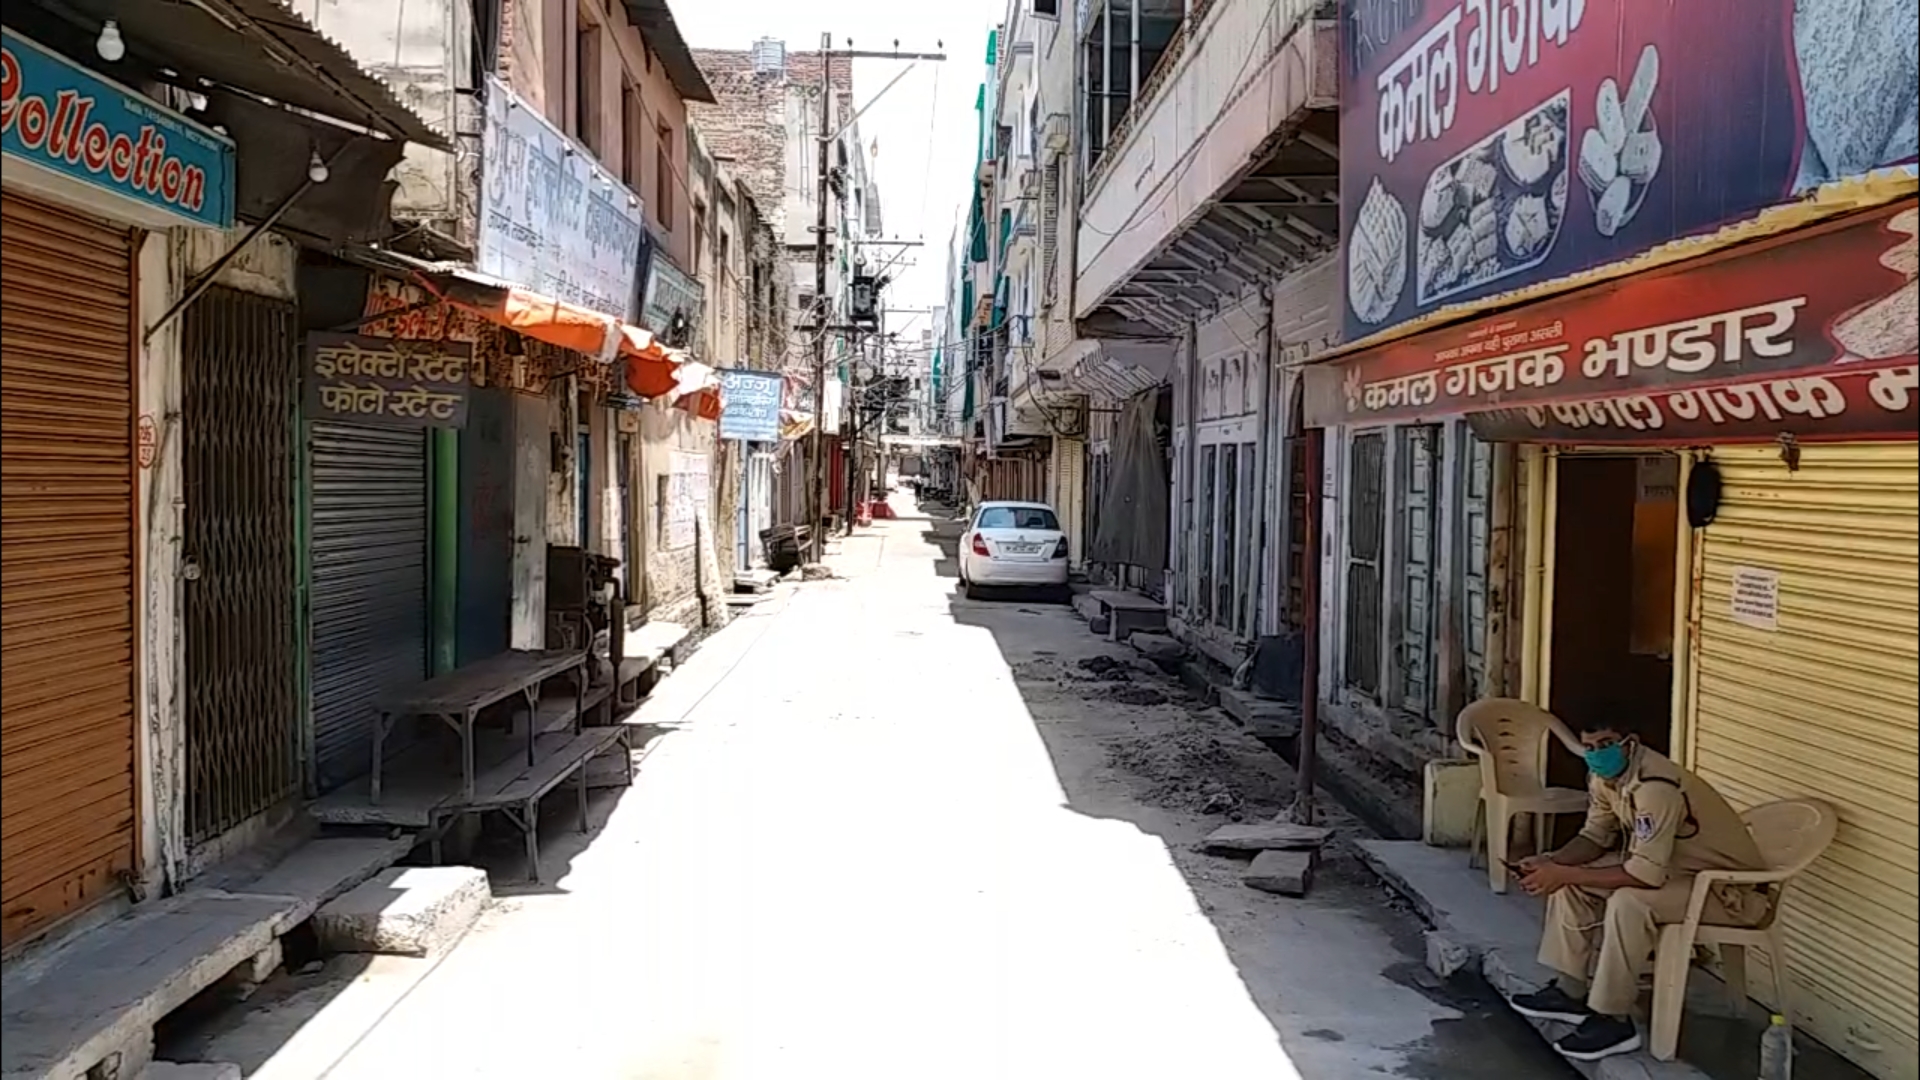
970	590
1060	594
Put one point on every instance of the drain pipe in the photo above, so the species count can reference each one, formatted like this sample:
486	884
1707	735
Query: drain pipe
1310	644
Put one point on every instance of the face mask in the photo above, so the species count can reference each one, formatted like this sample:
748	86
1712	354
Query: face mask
1607	762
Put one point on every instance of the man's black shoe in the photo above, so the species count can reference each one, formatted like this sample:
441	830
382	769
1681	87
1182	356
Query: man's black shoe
1598	1037
1552	1003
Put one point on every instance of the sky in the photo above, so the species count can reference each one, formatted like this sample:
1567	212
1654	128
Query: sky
924	125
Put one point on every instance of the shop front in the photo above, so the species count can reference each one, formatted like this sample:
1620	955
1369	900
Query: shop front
1715	500
84	182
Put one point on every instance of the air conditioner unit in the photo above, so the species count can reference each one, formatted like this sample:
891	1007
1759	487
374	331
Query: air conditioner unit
1057	134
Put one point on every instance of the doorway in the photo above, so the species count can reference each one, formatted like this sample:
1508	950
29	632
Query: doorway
1615	535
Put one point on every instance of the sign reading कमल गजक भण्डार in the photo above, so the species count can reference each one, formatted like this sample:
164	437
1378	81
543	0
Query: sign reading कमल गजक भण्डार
550	219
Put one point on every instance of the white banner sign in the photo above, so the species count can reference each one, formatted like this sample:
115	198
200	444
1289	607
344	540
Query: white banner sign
552	220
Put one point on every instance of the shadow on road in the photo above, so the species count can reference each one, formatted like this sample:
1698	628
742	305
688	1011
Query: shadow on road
1174	768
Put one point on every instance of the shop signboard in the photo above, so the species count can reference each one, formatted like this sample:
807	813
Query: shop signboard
1489	145
669	292
750	405
387	382
1836	297
58	119
551	219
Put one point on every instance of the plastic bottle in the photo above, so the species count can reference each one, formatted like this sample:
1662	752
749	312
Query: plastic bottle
1776	1050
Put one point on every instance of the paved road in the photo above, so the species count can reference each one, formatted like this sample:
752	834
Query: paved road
895	835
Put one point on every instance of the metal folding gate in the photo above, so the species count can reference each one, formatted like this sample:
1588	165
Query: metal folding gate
367	523
240	374
67	504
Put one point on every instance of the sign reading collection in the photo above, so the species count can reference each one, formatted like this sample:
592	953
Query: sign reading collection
387	382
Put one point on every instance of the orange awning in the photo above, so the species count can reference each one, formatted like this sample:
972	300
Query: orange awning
653	370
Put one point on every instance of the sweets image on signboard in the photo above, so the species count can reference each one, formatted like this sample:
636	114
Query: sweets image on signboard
1496	208
1890	325
1620	154
1377	256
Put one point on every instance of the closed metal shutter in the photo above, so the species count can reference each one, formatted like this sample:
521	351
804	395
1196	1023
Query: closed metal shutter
1070	493
368	513
1824	705
66	564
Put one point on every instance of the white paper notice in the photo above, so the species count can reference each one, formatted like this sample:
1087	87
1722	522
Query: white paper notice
1756	598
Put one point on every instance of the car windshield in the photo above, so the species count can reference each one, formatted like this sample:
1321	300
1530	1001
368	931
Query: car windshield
1018	517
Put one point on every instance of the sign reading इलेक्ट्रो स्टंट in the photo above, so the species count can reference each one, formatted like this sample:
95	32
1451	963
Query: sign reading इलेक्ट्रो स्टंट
1488	145
387	382
60	118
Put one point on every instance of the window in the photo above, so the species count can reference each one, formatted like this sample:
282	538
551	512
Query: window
1049	9
1017	517
663	177
586	84
721	284
699	240
630	129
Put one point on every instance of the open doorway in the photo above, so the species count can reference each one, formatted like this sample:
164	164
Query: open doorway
1613	590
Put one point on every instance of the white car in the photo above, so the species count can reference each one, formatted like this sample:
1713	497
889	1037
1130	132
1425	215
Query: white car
1013	544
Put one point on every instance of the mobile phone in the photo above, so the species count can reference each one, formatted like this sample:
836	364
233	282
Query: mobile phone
1514	868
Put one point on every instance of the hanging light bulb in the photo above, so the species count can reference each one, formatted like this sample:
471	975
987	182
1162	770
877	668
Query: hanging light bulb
109	46
317	169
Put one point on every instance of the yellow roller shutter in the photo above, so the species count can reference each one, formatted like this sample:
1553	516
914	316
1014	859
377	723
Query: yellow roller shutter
66	564
1823	704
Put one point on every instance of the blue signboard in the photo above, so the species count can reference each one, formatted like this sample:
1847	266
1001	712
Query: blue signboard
62	118
750	405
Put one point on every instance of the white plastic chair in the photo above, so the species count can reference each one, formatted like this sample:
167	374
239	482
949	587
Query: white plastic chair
1790	834
1511	739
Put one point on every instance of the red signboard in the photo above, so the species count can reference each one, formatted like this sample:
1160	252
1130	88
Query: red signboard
1838	295
1846	403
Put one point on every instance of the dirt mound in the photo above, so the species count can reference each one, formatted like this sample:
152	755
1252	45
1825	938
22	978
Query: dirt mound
1200	772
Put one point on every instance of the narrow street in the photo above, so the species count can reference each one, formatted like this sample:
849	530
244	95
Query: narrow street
889	834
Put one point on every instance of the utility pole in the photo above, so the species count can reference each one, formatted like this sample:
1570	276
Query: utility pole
817	462
816	457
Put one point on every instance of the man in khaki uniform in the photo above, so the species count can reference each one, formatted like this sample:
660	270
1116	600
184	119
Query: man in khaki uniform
1651	826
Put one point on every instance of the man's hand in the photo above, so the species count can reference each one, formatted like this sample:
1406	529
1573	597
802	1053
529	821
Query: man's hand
1533	862
1547	877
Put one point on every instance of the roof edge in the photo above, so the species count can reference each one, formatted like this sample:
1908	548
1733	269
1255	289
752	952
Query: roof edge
654	19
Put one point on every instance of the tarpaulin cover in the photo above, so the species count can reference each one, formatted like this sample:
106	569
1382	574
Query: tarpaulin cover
1133	515
653	370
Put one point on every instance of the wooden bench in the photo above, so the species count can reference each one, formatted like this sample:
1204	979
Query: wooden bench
458	697
514	789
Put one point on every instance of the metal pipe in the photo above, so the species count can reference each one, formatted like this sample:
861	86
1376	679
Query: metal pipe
1106	81
1549	547
1494	681
1308	758
1531	574
1264	447
1133	27
1680	719
817	446
445	604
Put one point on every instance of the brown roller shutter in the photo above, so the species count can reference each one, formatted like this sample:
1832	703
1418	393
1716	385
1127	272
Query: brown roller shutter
66	564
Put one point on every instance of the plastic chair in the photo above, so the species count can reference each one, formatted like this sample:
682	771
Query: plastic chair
1790	835
1511	738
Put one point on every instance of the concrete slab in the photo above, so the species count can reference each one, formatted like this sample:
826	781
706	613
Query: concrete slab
1266	719
97	999
1266	836
191	1070
1159	647
1289	873
322	869
1089	608
412	911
